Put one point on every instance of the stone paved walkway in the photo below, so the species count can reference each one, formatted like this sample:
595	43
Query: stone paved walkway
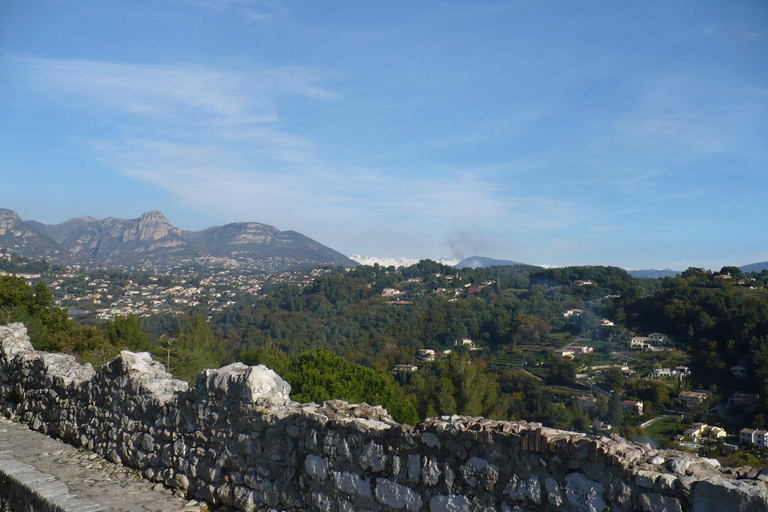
79	480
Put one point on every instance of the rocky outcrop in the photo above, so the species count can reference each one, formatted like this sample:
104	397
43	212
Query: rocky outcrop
23	237
120	241
236	438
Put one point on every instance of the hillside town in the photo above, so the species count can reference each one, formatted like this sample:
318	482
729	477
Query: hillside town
607	361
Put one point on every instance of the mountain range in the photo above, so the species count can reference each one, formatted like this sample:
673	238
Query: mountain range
755	267
481	262
652	272
152	240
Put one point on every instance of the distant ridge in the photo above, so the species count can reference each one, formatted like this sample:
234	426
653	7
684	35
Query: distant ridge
481	262
652	272
23	238
151	240
755	267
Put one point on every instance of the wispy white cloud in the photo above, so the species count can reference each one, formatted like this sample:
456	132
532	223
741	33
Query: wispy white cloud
680	117
682	195
645	182
262	15
170	90
219	142
255	10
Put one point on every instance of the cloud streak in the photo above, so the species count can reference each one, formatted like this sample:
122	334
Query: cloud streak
221	143
171	90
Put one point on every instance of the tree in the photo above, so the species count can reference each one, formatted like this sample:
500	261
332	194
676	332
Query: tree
614	379
43	297
458	386
125	331
616	414
316	376
194	349
561	371
735	272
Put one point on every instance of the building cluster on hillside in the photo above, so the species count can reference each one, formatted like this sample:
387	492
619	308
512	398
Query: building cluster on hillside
574	350
214	290
701	431
428	355
692	399
650	343
746	400
757	437
601	322
677	372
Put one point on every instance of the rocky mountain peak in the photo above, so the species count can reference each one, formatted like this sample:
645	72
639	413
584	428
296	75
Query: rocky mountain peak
154	225
9	219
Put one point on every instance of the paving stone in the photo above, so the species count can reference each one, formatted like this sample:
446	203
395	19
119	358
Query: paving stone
68	478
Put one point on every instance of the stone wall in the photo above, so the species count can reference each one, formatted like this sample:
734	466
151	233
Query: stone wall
237	439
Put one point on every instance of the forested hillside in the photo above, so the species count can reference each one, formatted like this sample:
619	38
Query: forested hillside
341	335
721	321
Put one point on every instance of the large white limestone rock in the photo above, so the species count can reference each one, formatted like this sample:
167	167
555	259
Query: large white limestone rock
250	383
147	375
14	340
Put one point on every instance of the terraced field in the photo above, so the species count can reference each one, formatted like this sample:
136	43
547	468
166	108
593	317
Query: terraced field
512	360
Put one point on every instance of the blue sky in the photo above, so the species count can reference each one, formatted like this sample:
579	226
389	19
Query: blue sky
630	133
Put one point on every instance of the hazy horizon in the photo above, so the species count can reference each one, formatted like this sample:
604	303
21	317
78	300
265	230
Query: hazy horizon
400	261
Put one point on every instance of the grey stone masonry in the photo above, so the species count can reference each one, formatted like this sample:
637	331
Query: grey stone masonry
236	439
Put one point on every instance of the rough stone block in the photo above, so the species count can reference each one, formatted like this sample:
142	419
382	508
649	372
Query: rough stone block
450	503
478	472
430	471
397	496
713	494
373	457
583	493
554	494
316	467
352	484
659	503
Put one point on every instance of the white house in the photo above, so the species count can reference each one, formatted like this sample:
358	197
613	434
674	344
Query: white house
739	372
758	438
678	371
405	368
426	354
639	343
